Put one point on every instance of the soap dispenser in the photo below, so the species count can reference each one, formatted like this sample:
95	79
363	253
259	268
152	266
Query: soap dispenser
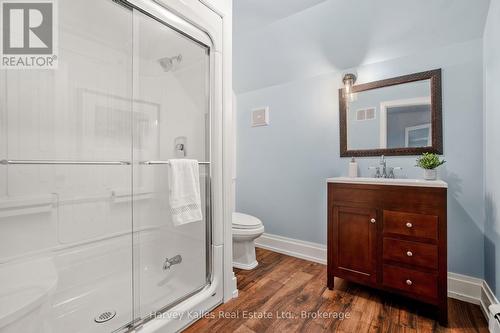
353	168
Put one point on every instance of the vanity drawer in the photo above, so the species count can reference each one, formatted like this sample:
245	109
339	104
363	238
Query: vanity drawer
409	224
412	253
411	281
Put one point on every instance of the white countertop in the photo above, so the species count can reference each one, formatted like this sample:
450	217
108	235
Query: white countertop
389	181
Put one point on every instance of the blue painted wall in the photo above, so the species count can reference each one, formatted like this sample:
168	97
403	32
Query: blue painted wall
492	147
281	168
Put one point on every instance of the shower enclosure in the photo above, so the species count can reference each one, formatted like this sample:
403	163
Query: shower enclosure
87	242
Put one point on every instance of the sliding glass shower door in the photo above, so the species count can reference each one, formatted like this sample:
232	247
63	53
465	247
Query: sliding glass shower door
87	242
66	179
171	120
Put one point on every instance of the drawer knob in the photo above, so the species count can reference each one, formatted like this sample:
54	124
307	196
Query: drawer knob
373	220
409	254
409	225
408	282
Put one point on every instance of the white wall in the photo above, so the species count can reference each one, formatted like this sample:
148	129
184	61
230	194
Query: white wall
492	147
282	167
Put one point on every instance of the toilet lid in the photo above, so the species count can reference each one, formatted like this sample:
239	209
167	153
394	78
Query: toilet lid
244	221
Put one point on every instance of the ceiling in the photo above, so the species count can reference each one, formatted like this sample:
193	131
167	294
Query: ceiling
252	14
277	41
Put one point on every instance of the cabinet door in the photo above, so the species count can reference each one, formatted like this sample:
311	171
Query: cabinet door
354	244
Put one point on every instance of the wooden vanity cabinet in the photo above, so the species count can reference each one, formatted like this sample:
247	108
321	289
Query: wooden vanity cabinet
390	237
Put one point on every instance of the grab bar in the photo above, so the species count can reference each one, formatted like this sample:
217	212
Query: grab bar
61	162
167	162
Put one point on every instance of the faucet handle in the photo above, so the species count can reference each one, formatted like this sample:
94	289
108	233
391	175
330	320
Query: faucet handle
377	171
391	171
383	162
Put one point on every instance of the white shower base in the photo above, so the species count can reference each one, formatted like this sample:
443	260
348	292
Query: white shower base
71	288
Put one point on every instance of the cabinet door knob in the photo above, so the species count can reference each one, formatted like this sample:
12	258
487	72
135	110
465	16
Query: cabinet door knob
373	220
409	254
408	282
409	225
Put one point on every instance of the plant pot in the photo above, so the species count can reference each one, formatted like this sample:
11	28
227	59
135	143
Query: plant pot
430	174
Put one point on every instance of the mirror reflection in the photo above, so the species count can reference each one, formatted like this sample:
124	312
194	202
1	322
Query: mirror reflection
396	116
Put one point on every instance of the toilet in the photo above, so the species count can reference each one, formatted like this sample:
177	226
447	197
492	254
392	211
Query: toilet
246	228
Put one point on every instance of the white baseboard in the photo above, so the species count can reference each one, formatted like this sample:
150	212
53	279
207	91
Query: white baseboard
462	287
472	290
487	299
234	282
293	247
465	288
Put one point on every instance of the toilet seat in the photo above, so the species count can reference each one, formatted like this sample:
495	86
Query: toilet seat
244	221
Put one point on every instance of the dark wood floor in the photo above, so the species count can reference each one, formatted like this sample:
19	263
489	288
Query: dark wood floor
282	287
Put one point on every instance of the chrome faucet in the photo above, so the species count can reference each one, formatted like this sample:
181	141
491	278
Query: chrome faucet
383	166
169	262
383	171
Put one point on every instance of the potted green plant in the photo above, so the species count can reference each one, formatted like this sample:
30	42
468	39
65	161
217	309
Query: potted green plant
429	162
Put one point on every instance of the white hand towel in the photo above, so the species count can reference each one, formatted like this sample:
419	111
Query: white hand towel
184	188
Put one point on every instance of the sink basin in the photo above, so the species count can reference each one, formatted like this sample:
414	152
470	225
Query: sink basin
389	181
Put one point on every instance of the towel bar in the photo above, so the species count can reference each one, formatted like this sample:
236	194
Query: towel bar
166	162
63	162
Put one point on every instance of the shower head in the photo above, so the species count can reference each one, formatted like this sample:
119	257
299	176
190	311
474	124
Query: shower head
170	63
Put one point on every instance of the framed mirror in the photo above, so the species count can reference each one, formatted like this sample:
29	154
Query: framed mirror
397	116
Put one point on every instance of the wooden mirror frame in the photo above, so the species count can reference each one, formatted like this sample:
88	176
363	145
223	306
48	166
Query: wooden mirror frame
436	116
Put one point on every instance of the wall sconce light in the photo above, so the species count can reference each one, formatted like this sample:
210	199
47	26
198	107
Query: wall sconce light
349	80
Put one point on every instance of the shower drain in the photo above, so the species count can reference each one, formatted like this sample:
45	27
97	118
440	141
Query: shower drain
105	316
